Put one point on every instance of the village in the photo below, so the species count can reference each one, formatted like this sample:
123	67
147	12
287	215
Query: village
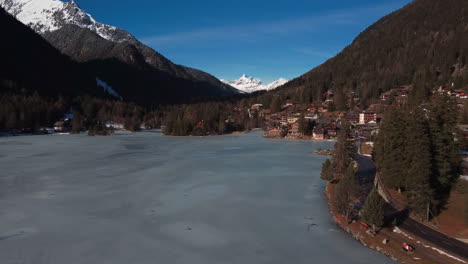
321	121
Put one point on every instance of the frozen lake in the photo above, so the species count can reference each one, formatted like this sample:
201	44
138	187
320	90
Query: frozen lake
145	198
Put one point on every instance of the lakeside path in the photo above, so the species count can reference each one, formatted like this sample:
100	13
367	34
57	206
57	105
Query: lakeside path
367	172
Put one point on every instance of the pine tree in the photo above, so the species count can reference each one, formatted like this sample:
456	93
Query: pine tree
343	151
340	100
77	123
327	171
390	148
373	211
443	129
331	107
419	171
275	105
345	191
304	125
11	122
350	180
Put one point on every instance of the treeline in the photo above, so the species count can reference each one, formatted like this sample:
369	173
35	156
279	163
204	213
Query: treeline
23	112
417	151
208	118
347	194
94	111
29	113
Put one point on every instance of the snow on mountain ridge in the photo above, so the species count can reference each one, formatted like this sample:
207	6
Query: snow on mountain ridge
249	84
50	15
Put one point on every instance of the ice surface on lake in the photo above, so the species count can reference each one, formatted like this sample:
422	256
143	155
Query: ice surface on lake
145	198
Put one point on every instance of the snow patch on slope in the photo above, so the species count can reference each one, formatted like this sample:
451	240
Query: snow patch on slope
249	84
50	15
108	89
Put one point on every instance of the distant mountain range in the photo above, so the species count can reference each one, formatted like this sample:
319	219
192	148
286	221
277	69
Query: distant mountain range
135	71
249	84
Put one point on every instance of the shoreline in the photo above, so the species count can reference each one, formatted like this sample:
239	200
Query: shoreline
424	253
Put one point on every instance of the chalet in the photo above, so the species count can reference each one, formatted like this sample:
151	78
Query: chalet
376	108
59	126
318	133
385	96
292	119
367	133
257	107
114	125
264	113
294	131
445	90
275	132
400	93
322	110
311	116
352	117
367	117
331	130
284	121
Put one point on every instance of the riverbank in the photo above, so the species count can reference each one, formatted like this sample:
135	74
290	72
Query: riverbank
388	241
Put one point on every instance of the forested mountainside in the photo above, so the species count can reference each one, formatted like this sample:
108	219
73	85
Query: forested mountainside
425	43
74	41
134	70
137	76
30	63
38	85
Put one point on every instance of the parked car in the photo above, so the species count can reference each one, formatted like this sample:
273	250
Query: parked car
407	247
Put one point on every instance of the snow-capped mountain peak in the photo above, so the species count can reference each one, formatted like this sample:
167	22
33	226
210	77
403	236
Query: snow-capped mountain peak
50	15
249	84
277	83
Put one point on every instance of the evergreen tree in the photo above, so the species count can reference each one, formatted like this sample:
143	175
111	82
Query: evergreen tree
331	107
343	151
350	180
390	148
77	123
345	191
305	127
419	171
327	170
340	100
373	211
275	105
443	129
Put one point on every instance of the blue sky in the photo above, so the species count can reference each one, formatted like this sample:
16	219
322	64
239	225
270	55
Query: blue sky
265	39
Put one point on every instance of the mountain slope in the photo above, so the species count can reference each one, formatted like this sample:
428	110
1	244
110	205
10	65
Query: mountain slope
425	43
78	35
249	84
49	15
30	63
